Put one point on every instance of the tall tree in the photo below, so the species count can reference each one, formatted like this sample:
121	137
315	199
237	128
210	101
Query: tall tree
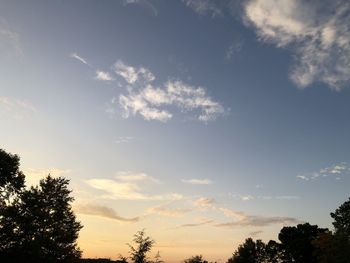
49	226
143	245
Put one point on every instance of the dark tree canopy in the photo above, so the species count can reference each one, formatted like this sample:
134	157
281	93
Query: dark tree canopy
250	252
341	218
11	178
38	225
297	242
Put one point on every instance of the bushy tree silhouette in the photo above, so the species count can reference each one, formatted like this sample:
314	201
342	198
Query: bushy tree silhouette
195	259
36	224
341	218
250	252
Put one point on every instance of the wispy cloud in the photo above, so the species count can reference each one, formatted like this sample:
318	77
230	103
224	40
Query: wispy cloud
201	223
127	186
204	202
143	3
104	76
337	170
234	48
79	58
123	139
243	219
132	75
102	211
10	37
166	210
204	7
317	31
197	181
16	108
135	177
153	103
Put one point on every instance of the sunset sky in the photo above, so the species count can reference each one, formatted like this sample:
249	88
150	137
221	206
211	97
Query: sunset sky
204	122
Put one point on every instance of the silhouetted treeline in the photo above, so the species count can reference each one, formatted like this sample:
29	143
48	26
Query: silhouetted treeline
99	260
303	243
37	225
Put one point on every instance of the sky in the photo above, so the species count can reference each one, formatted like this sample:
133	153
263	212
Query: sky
203	122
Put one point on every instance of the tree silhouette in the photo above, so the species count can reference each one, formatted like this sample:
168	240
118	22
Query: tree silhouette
195	259
250	252
296	242
36	224
341	218
143	244
11	178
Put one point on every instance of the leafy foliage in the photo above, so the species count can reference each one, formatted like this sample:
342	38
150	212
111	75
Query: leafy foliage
143	245
341	218
36	224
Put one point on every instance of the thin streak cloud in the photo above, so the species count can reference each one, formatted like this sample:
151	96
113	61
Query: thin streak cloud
79	58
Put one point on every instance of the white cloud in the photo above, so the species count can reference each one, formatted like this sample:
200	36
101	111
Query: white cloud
318	32
335	169
79	58
131	74
303	177
104	76
197	181
102	211
204	7
247	198
34	175
126	186
339	169
154	103
17	108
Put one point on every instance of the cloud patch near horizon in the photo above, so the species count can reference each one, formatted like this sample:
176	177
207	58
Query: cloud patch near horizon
317	32
245	220
127	186
197	181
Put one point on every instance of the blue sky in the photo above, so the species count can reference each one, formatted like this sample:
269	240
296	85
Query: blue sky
203	121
